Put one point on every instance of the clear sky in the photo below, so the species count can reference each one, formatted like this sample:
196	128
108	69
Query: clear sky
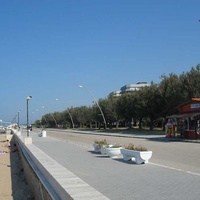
50	47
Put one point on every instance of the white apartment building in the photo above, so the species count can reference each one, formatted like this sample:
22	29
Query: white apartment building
115	93
129	88
133	87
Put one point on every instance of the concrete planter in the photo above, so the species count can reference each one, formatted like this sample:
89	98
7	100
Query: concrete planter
97	147
103	148
100	148
113	152
141	157
44	133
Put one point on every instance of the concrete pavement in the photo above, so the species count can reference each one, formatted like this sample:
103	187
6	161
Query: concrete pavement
117	179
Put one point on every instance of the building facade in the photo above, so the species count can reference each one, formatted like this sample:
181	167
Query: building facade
129	88
187	122
133	87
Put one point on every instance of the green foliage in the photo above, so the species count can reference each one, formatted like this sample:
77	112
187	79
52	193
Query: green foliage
171	94
152	103
101	142
116	146
190	83
137	148
108	106
126	106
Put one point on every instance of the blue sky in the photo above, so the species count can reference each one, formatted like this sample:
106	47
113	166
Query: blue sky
49	48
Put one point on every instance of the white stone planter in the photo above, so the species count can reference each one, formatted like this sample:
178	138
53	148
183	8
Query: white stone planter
113	152
100	148
44	133
103	148
140	156
97	147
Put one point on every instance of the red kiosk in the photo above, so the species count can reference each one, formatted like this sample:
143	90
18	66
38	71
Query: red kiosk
187	122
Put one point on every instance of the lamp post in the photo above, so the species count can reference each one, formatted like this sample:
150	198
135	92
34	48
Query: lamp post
27	99
36	111
14	119
69	116
54	120
18	117
44	116
96	103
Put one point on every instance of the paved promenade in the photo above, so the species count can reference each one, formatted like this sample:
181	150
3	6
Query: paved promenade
118	179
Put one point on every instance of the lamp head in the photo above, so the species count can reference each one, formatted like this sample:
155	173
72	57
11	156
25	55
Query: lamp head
80	86
29	97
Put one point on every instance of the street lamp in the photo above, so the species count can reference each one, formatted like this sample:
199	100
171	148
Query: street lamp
36	111
18	117
14	119
44	116
69	116
54	120
96	103
27	99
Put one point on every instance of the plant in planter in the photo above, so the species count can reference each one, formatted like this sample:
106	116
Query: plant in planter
99	144
130	147
139	153
116	146
136	148
114	150
103	148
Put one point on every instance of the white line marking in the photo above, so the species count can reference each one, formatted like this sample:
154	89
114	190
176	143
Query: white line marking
173	168
193	173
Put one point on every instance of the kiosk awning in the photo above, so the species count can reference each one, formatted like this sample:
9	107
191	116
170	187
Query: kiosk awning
184	115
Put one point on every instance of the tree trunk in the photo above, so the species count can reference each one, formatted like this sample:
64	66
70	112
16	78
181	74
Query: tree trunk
163	123
95	124
130	124
151	125
140	123
90	125
117	124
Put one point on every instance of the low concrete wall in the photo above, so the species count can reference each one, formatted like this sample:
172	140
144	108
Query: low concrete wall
34	180
49	180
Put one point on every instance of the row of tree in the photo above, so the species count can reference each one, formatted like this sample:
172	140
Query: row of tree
146	107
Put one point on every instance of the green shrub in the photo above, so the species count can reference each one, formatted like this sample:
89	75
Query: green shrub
137	148
101	142
116	146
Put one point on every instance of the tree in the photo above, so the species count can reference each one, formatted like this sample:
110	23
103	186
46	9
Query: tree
171	94
108	106
152	103
190	83
126	107
82	115
49	119
139	107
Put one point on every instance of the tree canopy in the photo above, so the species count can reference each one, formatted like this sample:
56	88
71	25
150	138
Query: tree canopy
149	103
